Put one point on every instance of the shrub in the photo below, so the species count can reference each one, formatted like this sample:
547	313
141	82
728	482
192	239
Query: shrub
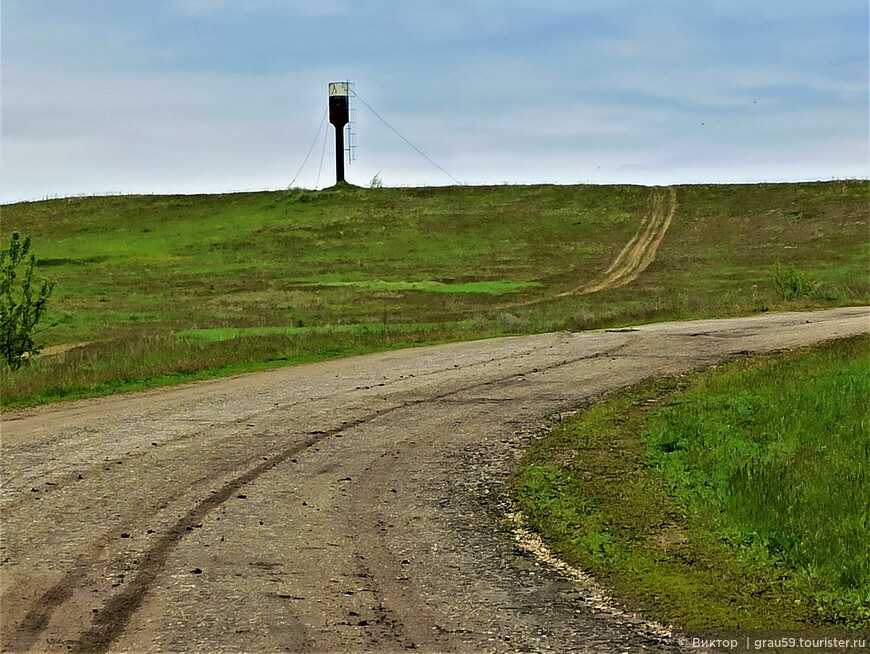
20	310
791	284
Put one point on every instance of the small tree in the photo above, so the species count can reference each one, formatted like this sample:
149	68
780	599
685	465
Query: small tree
20	310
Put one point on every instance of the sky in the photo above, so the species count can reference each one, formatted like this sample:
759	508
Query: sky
204	96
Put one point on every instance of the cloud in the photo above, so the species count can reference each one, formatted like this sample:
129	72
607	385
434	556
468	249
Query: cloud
197	95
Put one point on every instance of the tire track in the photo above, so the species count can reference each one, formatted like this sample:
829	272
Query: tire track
384	534
114	616
641	250
634	258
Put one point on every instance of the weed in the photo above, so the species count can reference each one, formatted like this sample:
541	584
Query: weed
792	284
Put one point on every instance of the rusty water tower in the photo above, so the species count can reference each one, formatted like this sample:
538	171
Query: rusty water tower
340	110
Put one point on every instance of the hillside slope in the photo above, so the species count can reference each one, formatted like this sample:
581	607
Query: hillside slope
178	285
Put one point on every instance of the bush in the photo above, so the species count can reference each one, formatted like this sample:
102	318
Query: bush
20	311
791	284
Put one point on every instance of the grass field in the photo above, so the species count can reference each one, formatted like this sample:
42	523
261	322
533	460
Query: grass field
735	498
168	288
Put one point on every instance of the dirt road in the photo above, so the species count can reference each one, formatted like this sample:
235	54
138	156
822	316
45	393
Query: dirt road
636	255
640	251
346	506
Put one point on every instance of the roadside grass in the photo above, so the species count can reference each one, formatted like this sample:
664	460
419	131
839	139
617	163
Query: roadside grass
417	330
484	261
732	498
497	287
151	360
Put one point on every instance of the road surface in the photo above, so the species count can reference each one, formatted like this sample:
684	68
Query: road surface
347	506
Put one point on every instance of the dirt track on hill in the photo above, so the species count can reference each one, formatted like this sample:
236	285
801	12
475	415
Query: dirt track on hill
640	251
635	257
347	506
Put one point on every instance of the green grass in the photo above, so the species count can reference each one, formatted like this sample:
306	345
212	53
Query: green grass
164	271
153	360
498	287
732	498
777	458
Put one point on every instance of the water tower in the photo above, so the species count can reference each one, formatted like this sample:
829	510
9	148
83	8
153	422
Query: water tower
339	117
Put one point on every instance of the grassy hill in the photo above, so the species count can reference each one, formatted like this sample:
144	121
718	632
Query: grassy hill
168	288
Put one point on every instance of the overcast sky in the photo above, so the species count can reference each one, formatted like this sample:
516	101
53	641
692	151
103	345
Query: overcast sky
154	96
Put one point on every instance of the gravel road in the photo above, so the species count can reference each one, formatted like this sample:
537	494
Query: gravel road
347	506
